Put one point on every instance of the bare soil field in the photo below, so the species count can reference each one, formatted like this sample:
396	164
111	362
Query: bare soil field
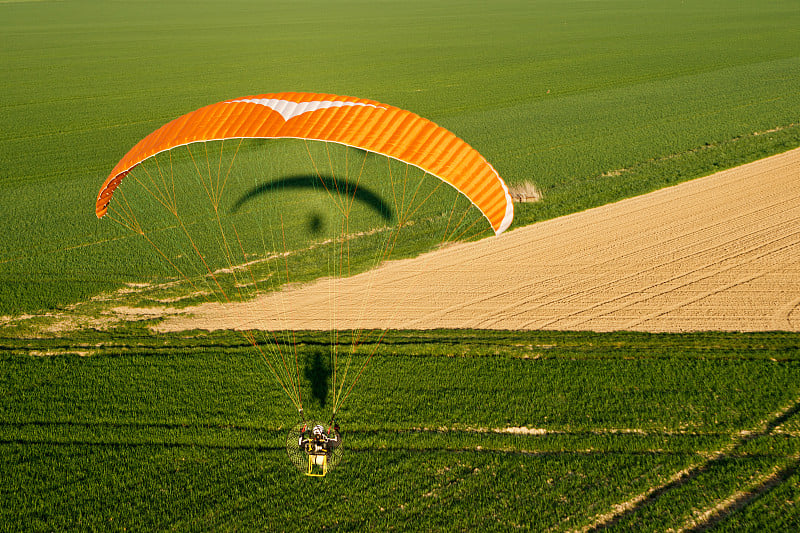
716	253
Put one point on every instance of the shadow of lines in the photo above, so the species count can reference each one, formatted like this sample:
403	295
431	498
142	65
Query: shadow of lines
341	187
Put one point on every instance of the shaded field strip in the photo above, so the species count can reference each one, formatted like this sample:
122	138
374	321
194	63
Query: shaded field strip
110	349
686	476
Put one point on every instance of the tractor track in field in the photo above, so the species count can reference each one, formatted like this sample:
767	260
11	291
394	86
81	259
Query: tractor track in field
706	518
716	253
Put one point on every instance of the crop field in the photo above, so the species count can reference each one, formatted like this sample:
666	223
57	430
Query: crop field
124	430
113	419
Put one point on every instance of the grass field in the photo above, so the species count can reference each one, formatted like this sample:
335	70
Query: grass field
590	101
123	430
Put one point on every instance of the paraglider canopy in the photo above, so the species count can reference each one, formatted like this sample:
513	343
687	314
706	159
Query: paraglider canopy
364	124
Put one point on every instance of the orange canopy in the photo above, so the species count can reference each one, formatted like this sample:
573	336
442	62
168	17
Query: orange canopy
364	124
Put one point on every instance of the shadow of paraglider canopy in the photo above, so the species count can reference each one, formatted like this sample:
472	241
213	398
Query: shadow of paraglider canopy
340	187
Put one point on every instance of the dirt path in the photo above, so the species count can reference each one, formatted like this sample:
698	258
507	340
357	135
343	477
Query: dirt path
717	253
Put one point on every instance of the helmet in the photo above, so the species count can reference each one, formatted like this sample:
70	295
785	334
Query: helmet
318	430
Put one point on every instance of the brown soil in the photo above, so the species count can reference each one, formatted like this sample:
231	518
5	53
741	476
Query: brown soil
717	253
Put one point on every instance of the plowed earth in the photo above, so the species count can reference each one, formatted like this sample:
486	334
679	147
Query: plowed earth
717	253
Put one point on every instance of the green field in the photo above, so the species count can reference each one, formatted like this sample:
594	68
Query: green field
591	101
109	427
124	430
